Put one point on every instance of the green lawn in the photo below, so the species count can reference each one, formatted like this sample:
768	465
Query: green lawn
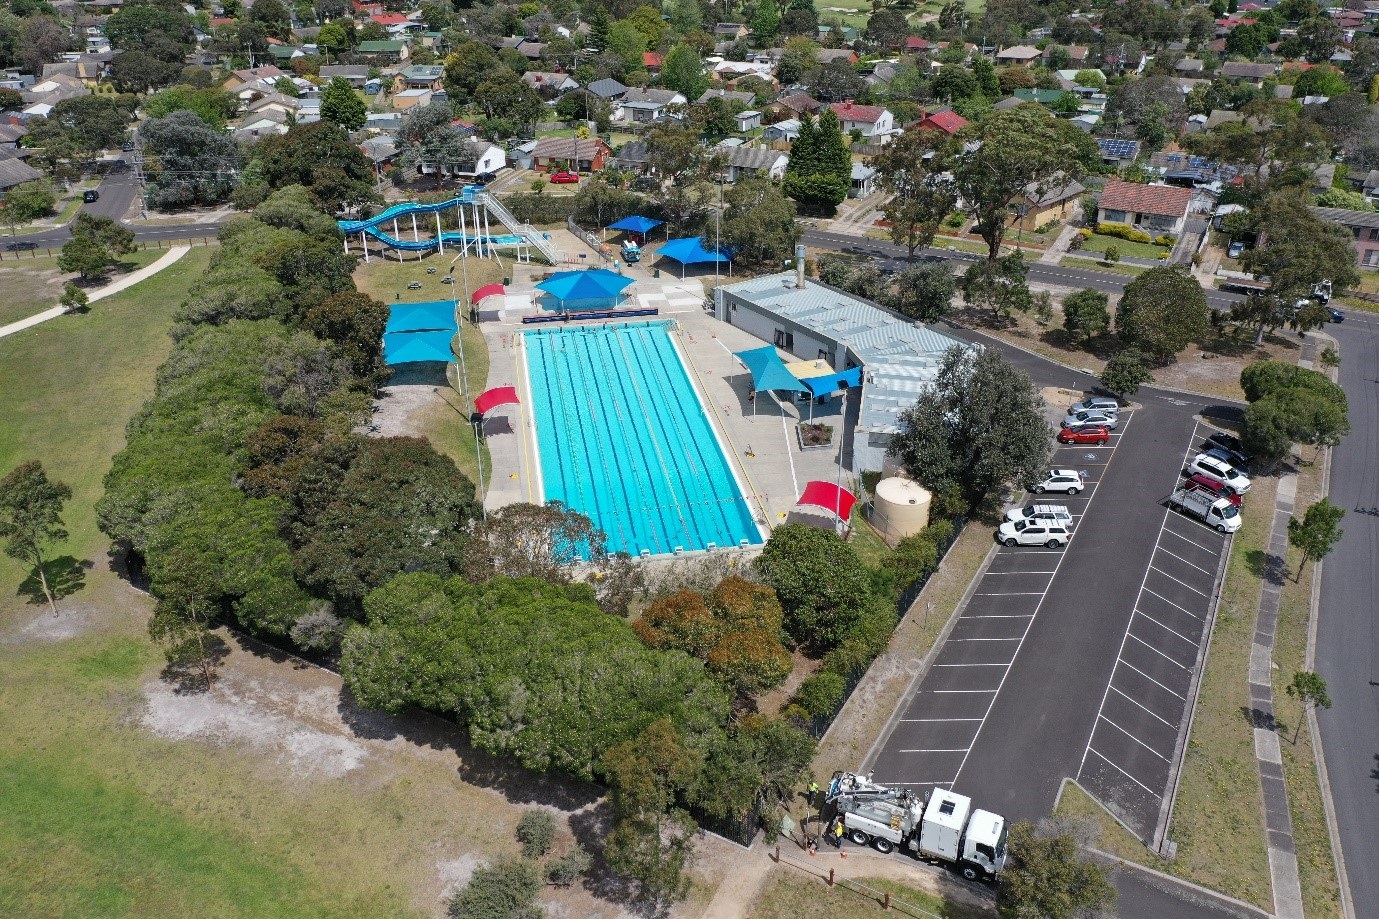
791	894
1098	243
33	284
101	818
1113	267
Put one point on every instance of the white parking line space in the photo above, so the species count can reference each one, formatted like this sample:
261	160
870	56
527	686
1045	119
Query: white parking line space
945	715
1126	763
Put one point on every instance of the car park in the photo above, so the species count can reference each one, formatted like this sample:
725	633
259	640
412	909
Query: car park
1081	419
1033	533
1070	481
1230	457
1096	404
564	178
1218	470
1097	434
1199	482
1049	513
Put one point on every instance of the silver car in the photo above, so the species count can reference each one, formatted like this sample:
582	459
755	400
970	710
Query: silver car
1084	418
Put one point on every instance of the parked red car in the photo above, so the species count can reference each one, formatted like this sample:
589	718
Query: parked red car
1200	482
564	178
1087	434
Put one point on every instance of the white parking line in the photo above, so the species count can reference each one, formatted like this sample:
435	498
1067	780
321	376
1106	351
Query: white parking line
1001	616
1028	593
1104	758
1062	556
1140	612
938	692
1150	712
940	719
1184	561
1134	738
1147	677
1172	604
1193	541
935	750
1160	653
1019	572
1153	567
1006	664
983	639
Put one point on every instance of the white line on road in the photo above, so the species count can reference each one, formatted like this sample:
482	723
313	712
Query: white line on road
1134	738
1153	567
1160	653
1194	542
1106	759
1145	615
1185	561
940	719
1123	662
1149	711
1172	604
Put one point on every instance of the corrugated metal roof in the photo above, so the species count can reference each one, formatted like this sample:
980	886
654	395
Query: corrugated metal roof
900	358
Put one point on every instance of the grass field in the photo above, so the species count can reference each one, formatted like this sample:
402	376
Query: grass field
102	818
791	894
32	285
1116	268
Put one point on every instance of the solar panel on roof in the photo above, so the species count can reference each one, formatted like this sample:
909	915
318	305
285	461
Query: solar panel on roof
1117	147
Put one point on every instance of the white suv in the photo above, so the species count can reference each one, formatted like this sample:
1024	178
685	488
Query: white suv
1033	533
1218	470
1049	513
1096	404
1066	480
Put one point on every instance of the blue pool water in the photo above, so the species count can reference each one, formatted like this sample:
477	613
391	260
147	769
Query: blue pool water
624	440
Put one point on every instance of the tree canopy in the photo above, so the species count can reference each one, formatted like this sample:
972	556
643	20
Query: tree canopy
1163	311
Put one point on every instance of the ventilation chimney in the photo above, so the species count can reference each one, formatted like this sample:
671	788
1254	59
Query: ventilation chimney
799	266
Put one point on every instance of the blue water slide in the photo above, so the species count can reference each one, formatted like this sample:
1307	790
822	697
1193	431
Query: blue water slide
406	209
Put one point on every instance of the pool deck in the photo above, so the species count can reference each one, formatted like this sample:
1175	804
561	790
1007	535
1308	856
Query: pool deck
762	447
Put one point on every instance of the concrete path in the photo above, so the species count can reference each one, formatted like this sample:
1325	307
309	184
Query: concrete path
114	287
1054	253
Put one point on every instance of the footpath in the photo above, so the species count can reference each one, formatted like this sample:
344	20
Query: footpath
100	293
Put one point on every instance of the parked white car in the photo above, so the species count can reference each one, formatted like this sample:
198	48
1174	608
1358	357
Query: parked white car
1096	404
1070	481
1218	470
1084	418
1033	533
1049	513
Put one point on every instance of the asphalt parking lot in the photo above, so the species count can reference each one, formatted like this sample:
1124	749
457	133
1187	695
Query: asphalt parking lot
1129	759
933	737
1078	662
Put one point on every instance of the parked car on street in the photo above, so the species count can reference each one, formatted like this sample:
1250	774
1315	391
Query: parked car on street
1070	481
1212	487
90	195
1033	533
1097	434
564	178
1081	419
1336	315
1218	470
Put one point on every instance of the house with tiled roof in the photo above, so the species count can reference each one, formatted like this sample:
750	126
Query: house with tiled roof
1245	72
875	122
1364	230
241	78
1022	55
1043	203
745	162
652	61
356	74
549	85
389	51
828	55
1156	209
947	121
913	44
586	154
387	20
643	106
796	104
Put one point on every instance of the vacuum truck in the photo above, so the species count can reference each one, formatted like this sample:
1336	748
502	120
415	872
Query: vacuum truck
941	826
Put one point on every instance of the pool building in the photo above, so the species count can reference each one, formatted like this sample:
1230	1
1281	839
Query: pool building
814	321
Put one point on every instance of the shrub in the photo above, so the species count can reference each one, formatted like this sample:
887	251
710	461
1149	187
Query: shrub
505	889
564	871
536	832
1123	231
821	694
1165	240
539	208
1112	253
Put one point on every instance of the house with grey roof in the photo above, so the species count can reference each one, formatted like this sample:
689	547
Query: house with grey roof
745	162
14	171
727	95
355	74
607	88
644	106
900	358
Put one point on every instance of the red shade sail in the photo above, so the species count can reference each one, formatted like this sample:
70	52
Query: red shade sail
830	497
499	395
488	290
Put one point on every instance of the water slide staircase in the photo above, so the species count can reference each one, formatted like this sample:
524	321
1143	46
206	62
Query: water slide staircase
468	197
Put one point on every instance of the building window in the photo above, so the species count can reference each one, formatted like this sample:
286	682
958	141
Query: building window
823	355
1114	216
1372	258
1374	235
785	340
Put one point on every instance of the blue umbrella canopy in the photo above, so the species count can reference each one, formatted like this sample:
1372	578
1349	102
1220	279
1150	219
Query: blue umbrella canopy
584	285
690	251
635	224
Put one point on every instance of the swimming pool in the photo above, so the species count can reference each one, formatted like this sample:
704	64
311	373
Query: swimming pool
623	439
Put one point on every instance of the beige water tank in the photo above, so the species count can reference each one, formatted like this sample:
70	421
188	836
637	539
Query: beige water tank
900	508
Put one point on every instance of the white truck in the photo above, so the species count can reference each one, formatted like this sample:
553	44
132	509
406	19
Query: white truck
943	826
1211	510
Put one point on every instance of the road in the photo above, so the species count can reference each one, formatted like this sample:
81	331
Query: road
894	256
1347	635
118	191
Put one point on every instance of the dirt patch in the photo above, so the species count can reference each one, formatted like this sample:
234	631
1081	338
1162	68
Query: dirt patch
244	715
410	396
71	620
455	873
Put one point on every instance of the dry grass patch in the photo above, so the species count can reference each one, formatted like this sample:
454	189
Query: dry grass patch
1114	839
32	285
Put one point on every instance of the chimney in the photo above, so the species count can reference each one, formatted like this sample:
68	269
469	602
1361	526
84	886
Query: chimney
799	266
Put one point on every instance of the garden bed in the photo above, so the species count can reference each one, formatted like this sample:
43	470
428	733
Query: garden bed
814	436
